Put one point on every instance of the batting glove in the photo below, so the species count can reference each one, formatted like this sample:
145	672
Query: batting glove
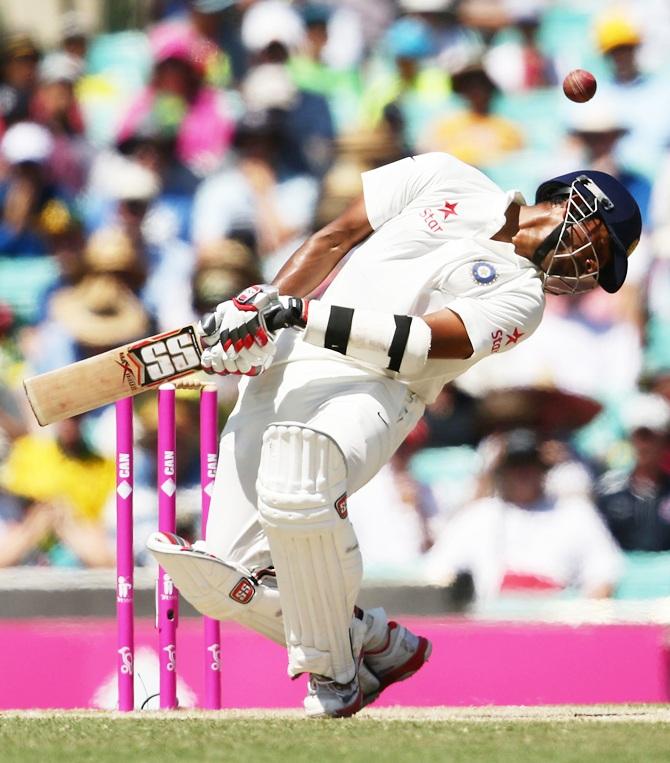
235	337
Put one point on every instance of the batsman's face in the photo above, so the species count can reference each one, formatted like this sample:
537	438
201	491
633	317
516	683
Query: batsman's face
581	251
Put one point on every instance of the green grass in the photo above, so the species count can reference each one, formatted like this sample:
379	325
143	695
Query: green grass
486	736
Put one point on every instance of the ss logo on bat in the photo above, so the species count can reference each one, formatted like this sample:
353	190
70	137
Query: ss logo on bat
168	357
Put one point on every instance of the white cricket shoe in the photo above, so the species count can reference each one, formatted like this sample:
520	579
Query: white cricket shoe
328	699
396	656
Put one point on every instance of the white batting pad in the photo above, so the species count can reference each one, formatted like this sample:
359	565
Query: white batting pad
219	589
301	486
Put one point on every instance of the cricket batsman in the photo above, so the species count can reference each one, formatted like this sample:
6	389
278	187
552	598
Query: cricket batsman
441	268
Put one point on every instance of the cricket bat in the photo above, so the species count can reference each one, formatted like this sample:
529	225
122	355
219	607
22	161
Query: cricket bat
110	376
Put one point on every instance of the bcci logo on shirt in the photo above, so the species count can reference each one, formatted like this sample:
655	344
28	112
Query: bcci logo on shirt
484	273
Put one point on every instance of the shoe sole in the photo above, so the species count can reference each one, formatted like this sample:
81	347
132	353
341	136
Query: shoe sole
402	672
345	712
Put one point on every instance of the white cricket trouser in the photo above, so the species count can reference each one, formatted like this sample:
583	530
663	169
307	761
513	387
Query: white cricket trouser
368	416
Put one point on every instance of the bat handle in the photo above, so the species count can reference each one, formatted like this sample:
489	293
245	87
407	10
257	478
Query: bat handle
285	317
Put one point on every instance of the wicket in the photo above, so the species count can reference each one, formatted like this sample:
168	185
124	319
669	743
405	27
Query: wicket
167	596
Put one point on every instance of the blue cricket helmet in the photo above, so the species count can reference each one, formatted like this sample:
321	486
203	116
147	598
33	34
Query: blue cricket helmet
614	206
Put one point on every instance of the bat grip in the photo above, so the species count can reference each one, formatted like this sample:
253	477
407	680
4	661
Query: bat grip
284	317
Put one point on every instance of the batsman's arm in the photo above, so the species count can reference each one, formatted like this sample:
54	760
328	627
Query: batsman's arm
400	343
471	325
311	263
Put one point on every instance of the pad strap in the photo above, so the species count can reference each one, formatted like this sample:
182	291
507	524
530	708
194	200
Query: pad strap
397	343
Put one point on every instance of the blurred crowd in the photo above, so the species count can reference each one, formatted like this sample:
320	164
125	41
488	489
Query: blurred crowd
147	174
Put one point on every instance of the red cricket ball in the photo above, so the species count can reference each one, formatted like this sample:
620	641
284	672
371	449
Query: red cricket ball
579	85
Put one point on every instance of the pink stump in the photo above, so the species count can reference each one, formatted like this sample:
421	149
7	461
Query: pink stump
124	553
208	458
167	595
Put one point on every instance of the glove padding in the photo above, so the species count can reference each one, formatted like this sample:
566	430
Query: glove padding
235	337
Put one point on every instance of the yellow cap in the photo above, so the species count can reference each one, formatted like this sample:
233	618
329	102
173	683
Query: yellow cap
614	30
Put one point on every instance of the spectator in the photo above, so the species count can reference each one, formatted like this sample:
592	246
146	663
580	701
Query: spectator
521	539
394	514
97	314
223	268
32	207
520	64
10	359
169	206
202	115
74	36
476	134
257	195
408	86
152	221
452	419
593	333
22	530
55	106
67	495
634	91
120	192
212	30
160	282
112	251
658	275
312	71
272	31
635	503
12	424
454	41
18	77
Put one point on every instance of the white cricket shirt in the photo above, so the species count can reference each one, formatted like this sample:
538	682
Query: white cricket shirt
562	542
433	218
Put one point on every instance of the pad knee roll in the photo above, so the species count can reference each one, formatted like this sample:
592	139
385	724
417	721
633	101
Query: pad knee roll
302	502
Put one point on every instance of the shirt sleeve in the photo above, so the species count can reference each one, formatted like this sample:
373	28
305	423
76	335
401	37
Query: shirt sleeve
501	321
387	190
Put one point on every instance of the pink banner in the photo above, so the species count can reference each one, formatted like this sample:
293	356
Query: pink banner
67	664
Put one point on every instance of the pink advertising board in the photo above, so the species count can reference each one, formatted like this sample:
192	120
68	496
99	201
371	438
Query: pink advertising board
69	664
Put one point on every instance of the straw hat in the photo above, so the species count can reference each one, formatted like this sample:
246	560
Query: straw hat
223	268
19	45
100	311
226	253
110	250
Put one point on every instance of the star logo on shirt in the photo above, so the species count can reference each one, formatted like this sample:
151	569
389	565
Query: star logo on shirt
448	209
514	337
